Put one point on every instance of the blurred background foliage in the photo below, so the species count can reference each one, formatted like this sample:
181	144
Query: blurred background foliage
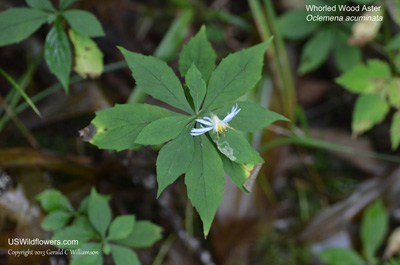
336	81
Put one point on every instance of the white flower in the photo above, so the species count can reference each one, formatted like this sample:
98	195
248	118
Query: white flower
214	123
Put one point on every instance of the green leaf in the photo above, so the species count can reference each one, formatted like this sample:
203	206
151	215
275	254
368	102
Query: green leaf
55	220
17	24
395	131
205	180
106	249
83	22
252	117
340	256
58	54
157	79
293	25
346	56
365	79
235	75
124	255
99	212
374	225
235	171
162	130
369	110
199	52
121	227
174	159
144	234
394	44
52	200
236	148
73	232
66	3
118	127
88	57
316	51
83	205
82	222
93	257
41	4
197	86
394	92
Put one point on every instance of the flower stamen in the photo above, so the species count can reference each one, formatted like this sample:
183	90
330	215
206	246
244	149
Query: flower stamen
215	124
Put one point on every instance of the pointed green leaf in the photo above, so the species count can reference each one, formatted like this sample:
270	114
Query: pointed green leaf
88	57
124	256
157	79
99	212
235	75
118	127
316	51
252	117
58	54
17	24
94	258
236	147
121	227
52	200
374	225
340	256
369	110
199	52
367	78
395	131
162	130
197	86
55	220
66	3
144	234
41	4
294	25
205	180
83	22
174	159
346	56
394	92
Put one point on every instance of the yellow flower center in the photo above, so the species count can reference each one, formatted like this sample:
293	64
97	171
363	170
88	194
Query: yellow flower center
220	127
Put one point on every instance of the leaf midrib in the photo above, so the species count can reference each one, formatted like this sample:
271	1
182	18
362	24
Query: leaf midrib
167	87
223	89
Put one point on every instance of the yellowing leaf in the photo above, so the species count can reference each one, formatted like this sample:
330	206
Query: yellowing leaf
88	57
393	246
365	31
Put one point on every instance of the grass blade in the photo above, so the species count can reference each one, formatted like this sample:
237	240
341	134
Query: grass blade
20	90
